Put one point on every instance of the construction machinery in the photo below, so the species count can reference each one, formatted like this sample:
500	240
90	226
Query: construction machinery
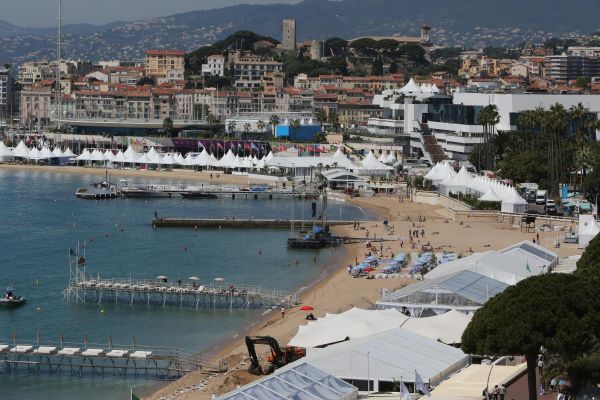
279	356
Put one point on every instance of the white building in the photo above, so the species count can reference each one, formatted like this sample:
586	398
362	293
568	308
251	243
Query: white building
215	65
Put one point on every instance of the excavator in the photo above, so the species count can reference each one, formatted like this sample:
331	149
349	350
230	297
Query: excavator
279	356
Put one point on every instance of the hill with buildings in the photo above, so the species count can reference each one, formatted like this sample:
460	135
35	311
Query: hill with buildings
470	23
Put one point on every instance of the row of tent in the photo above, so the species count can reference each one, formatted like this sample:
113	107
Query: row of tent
370	165
448	181
33	154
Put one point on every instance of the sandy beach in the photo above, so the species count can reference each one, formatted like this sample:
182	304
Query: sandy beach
336	291
339	292
212	177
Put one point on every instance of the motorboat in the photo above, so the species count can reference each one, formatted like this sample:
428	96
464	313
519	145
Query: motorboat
11	300
199	195
144	192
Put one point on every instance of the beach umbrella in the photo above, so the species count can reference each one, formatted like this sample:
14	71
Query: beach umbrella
194	278
306	308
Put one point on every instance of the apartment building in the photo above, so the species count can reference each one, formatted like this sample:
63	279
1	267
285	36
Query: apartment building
160	62
215	66
34	72
249	70
5	92
566	67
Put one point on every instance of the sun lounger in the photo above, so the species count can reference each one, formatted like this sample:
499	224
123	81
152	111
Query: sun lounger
22	349
93	352
69	351
45	350
117	353
4	348
141	354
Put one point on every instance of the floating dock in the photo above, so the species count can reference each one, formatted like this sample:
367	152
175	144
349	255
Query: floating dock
238	223
145	292
94	360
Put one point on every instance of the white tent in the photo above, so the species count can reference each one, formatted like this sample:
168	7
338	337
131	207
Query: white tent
85	156
354	323
131	156
391	159
204	159
143	159
411	88
446	328
168	159
382	158
5	153
153	156
514	203
35	154
269	156
189	159
588	229
460	182
440	172
388	356
97	155
21	150
179	159
227	161
490	195
69	153
109	155
46	152
119	157
58	153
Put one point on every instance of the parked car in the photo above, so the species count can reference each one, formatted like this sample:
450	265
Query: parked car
550	207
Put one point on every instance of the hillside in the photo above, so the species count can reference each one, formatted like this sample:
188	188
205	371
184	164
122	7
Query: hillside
471	23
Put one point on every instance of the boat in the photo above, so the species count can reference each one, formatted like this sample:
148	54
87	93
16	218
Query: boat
10	300
99	190
318	238
144	192
199	195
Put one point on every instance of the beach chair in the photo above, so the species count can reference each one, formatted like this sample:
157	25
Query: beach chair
69	351
22	349
117	353
140	354
45	350
93	352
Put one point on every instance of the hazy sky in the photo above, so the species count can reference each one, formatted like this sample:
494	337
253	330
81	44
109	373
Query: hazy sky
42	13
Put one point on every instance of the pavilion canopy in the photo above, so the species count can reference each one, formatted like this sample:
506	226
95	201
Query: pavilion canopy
300	382
388	356
21	150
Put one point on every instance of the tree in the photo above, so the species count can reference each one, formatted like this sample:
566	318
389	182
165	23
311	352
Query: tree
559	312
377	67
274	121
260	125
168	126
488	117
211	119
582	82
393	67
247	127
589	263
294	125
231	128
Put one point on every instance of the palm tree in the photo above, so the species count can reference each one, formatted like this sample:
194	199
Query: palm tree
168	126
260	125
247	127
555	125
488	117
322	115
295	124
211	119
334	121
231	128
274	121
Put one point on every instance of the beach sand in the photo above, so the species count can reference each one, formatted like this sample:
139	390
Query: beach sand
338	292
176	174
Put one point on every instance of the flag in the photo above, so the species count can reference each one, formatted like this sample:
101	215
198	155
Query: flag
133	396
253	146
247	146
404	391
420	385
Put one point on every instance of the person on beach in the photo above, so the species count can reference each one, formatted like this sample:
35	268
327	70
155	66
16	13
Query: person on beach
349	269
282	312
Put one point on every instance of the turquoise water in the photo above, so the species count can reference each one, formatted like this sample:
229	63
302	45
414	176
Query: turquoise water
41	218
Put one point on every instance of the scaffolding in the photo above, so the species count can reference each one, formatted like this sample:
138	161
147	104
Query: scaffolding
86	289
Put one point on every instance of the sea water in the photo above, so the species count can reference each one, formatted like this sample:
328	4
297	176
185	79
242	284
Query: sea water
41	219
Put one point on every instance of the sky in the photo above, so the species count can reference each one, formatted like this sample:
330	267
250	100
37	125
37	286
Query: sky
42	13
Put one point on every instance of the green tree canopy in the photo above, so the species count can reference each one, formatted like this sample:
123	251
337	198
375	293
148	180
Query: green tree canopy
589	263
559	312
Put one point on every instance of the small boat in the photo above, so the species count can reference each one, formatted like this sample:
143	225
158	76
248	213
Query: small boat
144	192
199	195
10	300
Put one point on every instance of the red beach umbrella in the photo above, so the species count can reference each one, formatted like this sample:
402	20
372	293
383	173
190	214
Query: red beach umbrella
306	308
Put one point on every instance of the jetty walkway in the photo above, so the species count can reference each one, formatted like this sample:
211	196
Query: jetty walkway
87	359
153	292
237	223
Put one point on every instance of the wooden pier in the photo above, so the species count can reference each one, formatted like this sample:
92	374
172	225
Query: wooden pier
237	223
156	293
93	360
